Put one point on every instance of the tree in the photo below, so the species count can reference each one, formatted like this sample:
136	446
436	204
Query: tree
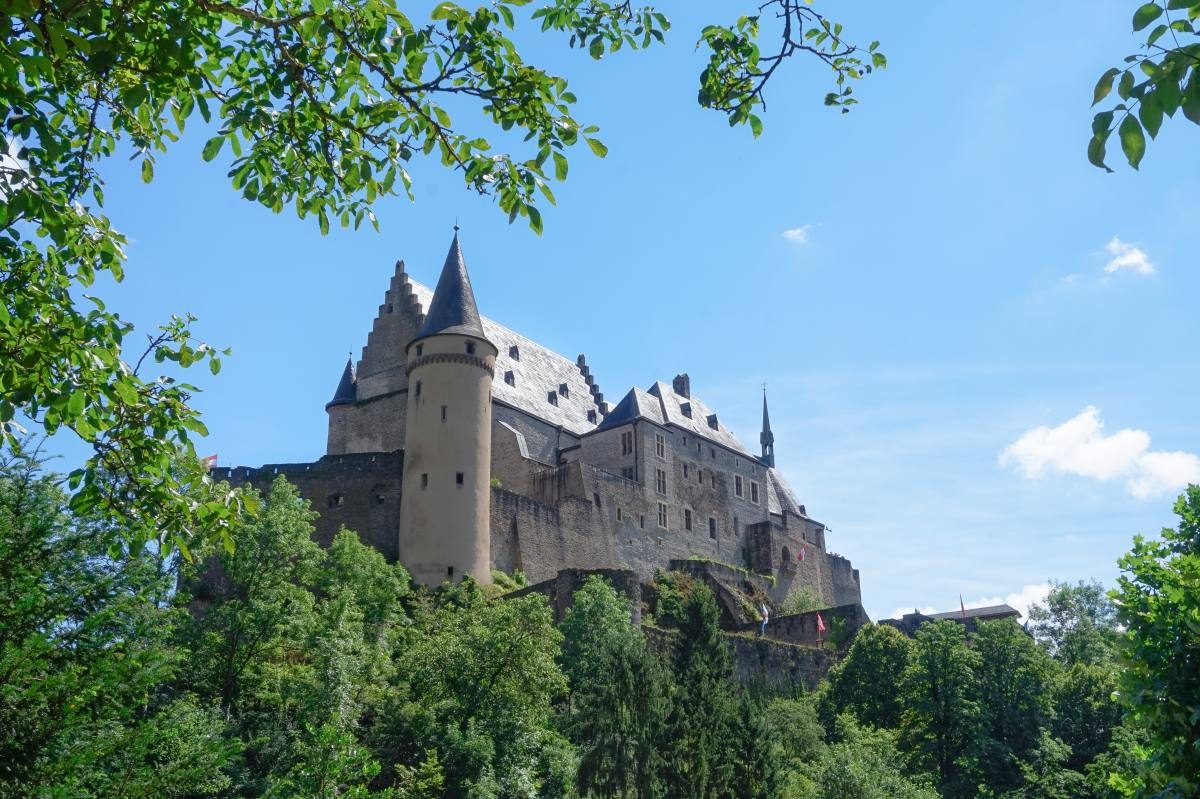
1014	701
1076	623
698	762
866	681
1152	85
797	742
864	764
320	107
1085	713
1158	603
86	660
941	717
596	626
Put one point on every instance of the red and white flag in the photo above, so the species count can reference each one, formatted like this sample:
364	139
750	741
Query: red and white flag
803	550
820	624
209	461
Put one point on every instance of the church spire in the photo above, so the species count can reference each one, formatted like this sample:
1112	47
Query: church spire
347	390
453	309
766	437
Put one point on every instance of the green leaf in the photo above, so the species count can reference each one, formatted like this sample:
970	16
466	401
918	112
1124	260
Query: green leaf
597	147
1133	140
560	166
1146	14
147	170
76	403
1096	149
1125	87
535	220
1104	85
756	126
212	147
1150	112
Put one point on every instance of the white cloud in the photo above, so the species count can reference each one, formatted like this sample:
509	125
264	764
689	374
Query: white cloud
798	235
1080	447
1126	256
898	612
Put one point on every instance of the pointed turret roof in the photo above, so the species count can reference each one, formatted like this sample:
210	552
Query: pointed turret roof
347	390
766	437
453	309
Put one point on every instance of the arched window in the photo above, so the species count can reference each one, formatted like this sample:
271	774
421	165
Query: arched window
787	556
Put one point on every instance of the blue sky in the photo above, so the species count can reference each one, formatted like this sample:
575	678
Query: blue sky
942	295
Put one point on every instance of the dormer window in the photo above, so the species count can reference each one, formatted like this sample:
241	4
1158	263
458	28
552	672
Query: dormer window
552	398
591	416
510	378
514	353
712	421
470	348
563	391
686	409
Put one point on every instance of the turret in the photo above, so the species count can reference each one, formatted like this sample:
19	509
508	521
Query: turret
766	437
444	510
339	408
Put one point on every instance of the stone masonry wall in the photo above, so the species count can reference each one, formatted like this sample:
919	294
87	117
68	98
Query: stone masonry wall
359	492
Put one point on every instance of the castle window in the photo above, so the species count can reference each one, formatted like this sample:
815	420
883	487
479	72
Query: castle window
712	421
514	353
737	484
660	445
642	521
563	391
685	470
510	378
736	525
754	492
627	443
686	409
552	398
660	481
699	476
443	413
417	392
713	452
380	498
420	349
424	481
596	499
662	515
389	307
627	472
591	416
458	478
336	500
712	528
450	572
687	519
470	348
620	515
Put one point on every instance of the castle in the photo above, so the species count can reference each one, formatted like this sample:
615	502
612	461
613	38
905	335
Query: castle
458	446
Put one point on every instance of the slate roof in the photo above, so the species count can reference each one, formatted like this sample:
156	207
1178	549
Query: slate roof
780	496
347	390
537	371
673	413
637	404
453	308
976	613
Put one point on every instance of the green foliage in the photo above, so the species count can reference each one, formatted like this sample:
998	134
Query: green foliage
1085	714
506	583
1076	623
671	591
1158	603
941	717
801	600
866	682
864	764
1156	83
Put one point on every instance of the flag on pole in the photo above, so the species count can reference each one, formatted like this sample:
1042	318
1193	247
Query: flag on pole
209	461
962	607
820	624
803	550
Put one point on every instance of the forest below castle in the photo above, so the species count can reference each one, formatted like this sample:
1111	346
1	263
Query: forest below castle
310	672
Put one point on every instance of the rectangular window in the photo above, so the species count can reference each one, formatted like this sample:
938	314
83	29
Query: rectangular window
687	519
660	481
660	445
737	484
424	481
458	478
443	413
627	472
620	515
712	527
662	515
754	492
700	476
642	521
736	525
685	470
627	443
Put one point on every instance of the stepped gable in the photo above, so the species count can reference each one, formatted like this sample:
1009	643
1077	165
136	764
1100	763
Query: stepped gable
702	421
537	372
780	496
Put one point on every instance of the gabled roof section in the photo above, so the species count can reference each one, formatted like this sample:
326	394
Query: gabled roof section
991	611
536	372
453	309
347	390
780	496
637	404
703	422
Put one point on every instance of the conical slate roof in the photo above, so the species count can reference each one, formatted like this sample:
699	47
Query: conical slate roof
347	390
453	309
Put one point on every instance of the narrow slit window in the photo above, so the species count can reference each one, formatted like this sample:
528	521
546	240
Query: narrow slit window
470	348
424	480
443	413
458	478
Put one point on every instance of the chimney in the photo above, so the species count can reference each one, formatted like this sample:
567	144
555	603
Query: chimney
682	385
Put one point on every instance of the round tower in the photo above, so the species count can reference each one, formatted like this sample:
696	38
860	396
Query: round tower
444	507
